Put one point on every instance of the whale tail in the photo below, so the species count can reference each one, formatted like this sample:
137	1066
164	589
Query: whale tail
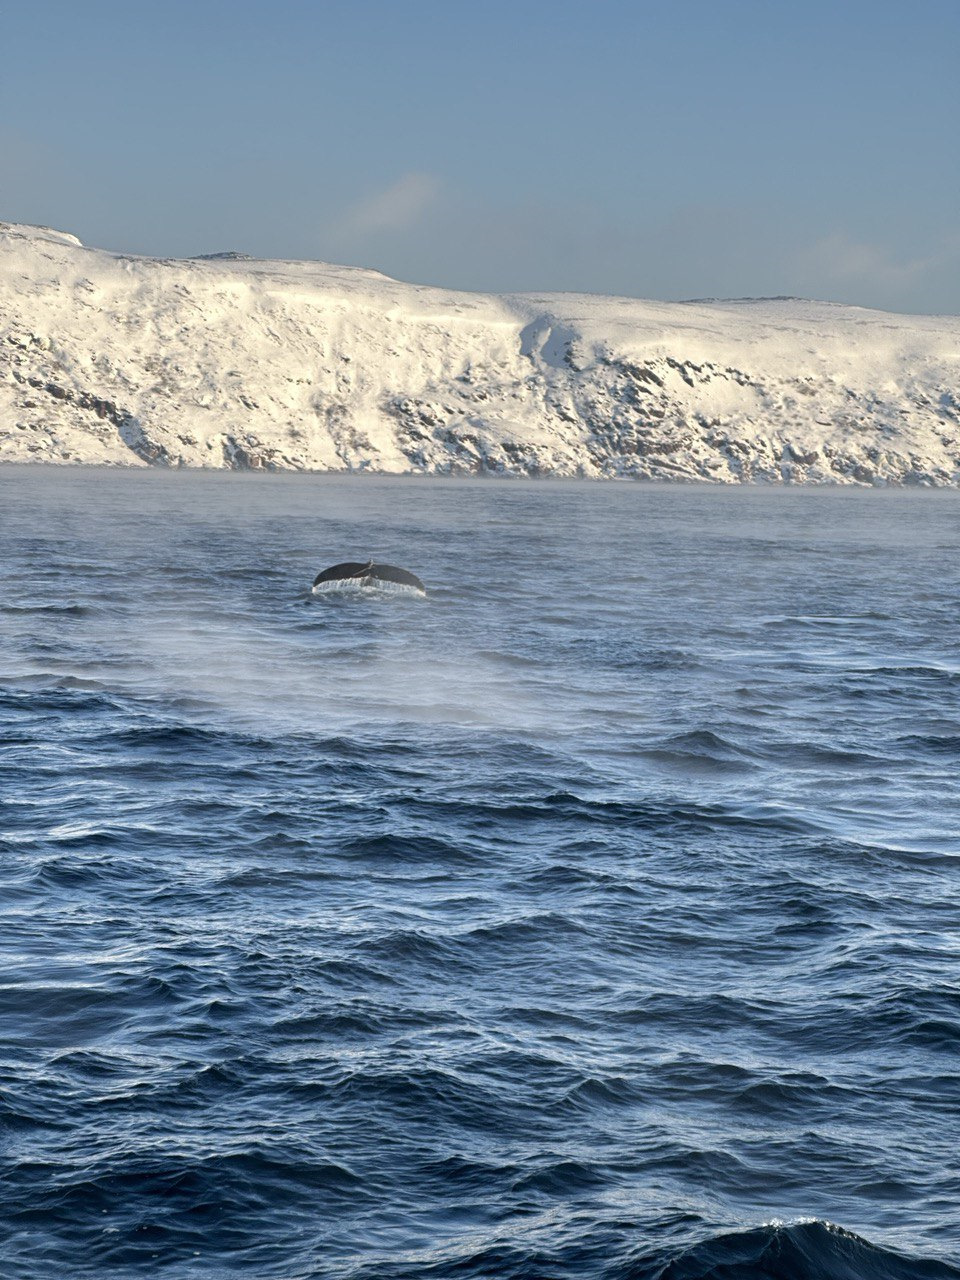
352	573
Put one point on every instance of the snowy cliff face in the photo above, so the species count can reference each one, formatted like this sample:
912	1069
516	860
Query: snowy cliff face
230	362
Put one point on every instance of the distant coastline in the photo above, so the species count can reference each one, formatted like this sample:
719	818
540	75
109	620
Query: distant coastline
233	363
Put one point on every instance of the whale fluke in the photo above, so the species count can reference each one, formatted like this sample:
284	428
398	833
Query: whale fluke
372	572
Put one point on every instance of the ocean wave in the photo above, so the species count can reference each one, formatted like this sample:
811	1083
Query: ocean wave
812	1250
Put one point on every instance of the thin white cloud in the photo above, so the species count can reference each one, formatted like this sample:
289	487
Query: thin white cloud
398	206
839	257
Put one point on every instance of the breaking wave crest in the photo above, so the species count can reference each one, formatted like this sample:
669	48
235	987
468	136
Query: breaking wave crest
810	1250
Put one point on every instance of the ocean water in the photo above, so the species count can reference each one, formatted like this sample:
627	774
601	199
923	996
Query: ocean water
597	916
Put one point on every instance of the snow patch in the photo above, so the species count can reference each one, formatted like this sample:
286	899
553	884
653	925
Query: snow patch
41	233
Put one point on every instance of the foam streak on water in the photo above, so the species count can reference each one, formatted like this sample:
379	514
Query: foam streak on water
596	916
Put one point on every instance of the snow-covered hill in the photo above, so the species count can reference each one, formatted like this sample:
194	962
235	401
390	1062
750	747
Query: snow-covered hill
230	362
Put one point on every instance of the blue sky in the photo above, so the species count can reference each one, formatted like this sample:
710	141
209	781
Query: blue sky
677	149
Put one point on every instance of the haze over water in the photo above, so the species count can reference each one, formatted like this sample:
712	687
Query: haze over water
596	916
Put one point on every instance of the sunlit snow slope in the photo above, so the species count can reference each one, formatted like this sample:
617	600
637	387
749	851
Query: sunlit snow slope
231	362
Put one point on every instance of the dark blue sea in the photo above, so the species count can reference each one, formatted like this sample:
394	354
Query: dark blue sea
595	917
